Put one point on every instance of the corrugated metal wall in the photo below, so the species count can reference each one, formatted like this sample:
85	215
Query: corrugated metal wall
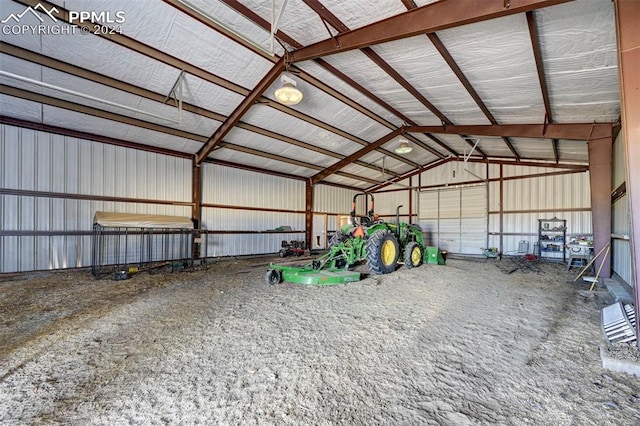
334	202
331	200
48	163
525	199
528	199
387	202
252	194
620	215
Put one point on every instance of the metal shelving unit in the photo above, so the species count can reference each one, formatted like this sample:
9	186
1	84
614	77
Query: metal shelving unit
552	239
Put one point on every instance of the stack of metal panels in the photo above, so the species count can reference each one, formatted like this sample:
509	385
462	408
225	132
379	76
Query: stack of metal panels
619	323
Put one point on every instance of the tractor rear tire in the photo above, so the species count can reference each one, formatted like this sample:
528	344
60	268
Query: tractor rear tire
337	238
413	255
382	252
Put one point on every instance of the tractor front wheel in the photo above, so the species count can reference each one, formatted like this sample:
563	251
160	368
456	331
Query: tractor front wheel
413	255
382	252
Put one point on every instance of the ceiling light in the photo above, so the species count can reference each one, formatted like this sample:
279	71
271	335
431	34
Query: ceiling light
288	94
403	147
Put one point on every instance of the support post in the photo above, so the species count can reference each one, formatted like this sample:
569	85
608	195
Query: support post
308	214
196	199
600	153
627	18
410	193
501	218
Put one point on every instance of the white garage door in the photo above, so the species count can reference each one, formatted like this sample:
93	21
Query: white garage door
455	219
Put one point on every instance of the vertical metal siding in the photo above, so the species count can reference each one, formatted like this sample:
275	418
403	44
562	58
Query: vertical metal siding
241	188
455	219
568	191
246	220
229	186
387	202
38	161
330	199
619	163
621	250
621	223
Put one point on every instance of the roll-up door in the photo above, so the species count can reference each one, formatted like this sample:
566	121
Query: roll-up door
455	219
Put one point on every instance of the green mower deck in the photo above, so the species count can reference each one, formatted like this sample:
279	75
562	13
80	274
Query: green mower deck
310	276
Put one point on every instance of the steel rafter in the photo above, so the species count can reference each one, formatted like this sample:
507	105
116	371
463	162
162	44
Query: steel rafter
240	110
326	15
265	25
537	54
573	131
340	164
262	23
427	19
160	56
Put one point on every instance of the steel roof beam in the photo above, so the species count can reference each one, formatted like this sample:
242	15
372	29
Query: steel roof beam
160	56
326	15
262	23
350	159
240	110
573	131
423	20
537	55
435	40
275	157
56	64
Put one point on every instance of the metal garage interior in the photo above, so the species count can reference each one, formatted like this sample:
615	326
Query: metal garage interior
513	110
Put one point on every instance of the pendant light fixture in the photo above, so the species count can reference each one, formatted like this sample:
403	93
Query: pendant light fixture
403	146
288	94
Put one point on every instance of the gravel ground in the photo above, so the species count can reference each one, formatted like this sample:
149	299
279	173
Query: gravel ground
459	344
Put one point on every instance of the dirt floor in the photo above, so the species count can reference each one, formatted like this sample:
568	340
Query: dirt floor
460	344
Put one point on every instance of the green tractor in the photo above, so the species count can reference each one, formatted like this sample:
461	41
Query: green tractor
368	238
380	243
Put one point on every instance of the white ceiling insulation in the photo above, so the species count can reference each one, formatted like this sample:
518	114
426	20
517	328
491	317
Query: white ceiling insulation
578	43
260	162
573	150
418	61
264	143
534	147
341	86
578	53
497	58
269	118
362	69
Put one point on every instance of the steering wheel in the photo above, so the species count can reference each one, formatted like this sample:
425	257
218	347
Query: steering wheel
365	221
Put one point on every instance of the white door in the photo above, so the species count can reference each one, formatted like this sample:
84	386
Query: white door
319	237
